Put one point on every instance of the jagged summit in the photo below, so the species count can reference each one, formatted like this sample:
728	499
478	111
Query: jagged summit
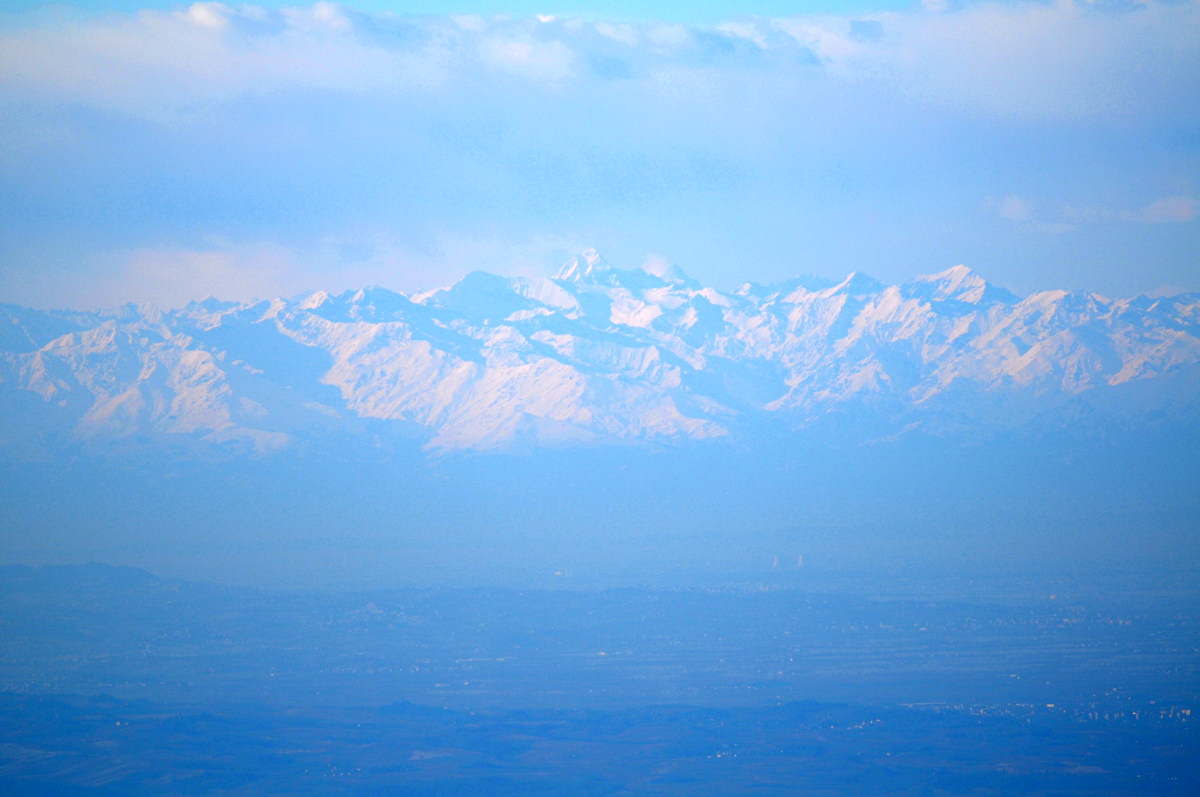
596	354
958	284
146	312
584	266
212	304
808	283
675	275
856	283
590	270
478	295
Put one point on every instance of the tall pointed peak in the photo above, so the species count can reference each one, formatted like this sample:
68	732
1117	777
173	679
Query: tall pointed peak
210	303
791	289
314	299
857	283
676	276
958	283
583	265
953	279
371	293
373	303
130	311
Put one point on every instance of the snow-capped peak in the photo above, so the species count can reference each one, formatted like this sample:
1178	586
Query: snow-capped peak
584	265
674	275
957	284
597	353
856	283
314	300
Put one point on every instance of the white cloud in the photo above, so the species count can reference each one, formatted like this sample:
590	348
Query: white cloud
669	37
208	15
464	138
831	41
1029	60
538	60
470	22
625	34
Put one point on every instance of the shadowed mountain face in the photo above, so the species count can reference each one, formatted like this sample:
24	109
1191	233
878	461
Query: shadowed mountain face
599	355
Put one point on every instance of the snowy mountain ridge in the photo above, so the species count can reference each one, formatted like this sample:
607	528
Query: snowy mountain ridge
598	354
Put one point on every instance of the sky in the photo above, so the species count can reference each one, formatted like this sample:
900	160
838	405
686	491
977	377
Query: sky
163	152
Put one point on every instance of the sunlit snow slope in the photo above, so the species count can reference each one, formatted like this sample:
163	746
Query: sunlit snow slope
597	355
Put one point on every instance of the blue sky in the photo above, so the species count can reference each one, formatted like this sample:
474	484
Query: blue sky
259	150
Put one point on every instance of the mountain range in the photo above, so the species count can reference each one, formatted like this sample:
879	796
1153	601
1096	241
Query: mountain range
599	355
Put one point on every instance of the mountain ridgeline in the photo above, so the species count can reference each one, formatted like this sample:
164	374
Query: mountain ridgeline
599	355
605	426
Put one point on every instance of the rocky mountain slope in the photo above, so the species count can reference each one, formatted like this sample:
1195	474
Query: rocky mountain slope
598	354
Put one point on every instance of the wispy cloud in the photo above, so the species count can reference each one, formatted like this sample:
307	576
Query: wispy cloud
1022	211
1168	210
1165	210
1014	208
